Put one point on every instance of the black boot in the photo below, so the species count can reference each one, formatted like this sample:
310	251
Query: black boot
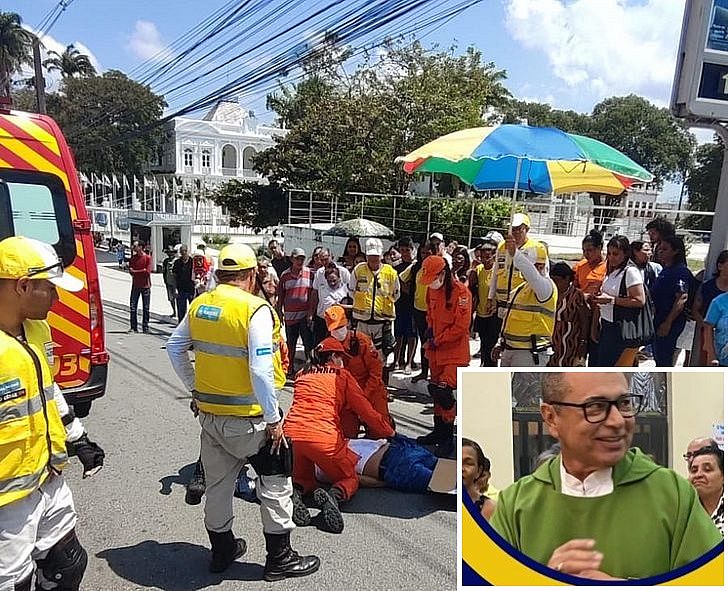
226	548
23	585
435	436
301	515
196	486
282	561
330	519
445	447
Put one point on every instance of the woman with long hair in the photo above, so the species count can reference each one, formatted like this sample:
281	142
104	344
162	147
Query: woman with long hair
613	351
411	277
352	254
670	294
461	263
476	471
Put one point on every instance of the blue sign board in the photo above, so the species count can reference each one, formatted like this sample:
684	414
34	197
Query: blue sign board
718	29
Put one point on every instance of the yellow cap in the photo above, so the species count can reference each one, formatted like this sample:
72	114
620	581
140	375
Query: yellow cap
236	257
27	257
542	253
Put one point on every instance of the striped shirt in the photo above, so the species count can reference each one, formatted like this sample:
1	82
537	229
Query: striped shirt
293	294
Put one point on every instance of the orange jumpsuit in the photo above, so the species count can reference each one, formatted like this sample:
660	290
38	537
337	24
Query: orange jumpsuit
314	425
451	333
366	367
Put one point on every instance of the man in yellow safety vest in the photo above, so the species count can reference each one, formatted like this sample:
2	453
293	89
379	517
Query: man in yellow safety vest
238	374
38	431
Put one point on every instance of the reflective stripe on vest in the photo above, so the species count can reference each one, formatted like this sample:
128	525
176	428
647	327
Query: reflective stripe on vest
533	308
529	322
30	481
25	407
224	399
224	350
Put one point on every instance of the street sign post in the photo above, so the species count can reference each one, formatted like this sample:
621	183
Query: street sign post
700	95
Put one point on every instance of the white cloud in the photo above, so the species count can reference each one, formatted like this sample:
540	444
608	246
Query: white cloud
604	47
146	42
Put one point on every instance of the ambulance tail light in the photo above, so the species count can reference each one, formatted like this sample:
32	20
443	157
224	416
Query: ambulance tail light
99	356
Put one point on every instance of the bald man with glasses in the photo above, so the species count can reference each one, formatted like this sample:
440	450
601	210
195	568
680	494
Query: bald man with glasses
601	509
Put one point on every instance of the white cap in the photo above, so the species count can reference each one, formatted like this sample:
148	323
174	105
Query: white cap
373	247
437	236
520	219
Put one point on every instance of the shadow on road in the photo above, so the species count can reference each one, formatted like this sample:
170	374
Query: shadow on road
183	476
175	566
392	503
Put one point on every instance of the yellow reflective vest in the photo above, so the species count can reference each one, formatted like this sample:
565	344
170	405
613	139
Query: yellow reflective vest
32	435
219	322
508	277
484	277
529	323
374	295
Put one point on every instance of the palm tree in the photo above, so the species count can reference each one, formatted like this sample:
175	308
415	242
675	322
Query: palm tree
70	63
16	48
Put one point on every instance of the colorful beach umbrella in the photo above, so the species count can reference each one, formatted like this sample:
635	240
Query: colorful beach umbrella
535	159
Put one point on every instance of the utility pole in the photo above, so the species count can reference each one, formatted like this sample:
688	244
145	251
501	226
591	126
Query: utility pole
39	80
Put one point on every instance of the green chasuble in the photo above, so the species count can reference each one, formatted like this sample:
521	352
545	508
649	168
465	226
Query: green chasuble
650	524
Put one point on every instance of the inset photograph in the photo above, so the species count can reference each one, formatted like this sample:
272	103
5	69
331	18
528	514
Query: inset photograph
585	476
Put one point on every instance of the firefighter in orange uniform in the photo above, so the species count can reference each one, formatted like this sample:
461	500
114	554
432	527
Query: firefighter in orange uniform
321	391
364	363
449	306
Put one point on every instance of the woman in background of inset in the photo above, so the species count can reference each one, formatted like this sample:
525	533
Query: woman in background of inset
476	469
706	475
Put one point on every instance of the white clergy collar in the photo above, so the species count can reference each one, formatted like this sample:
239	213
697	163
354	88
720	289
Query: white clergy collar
597	484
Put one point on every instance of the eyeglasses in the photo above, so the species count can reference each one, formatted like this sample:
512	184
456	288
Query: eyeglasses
597	411
57	269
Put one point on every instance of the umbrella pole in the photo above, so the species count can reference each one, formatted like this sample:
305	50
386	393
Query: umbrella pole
519	162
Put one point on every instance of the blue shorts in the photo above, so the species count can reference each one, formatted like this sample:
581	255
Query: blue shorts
406	465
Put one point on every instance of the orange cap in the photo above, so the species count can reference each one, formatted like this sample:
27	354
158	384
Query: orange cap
432	266
331	344
335	317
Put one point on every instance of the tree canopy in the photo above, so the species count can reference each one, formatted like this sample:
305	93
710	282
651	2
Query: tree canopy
650	135
346	128
95	112
251	204
70	63
16	48
702	184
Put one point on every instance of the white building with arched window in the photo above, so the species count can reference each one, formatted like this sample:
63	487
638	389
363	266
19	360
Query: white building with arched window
219	146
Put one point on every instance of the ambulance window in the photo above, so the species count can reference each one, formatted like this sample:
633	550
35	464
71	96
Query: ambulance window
35	205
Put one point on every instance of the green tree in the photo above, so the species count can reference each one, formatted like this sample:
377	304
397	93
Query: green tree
702	184
70	63
347	128
543	115
16	49
251	204
650	135
94	113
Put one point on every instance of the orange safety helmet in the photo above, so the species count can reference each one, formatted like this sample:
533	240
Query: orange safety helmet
335	317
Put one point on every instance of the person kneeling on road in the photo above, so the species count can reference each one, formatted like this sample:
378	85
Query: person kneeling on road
38	431
238	372
322	390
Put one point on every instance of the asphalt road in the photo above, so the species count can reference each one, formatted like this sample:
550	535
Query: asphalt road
141	535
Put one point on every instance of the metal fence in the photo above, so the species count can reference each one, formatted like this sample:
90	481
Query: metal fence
564	216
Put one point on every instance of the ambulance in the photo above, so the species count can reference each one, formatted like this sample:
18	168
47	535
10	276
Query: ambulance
41	198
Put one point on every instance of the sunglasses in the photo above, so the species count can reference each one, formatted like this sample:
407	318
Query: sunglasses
57	269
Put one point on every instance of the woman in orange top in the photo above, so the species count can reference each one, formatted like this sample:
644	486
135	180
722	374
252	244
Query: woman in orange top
364	363
321	392
449	308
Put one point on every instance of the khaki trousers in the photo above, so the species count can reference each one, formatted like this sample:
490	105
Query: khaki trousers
226	442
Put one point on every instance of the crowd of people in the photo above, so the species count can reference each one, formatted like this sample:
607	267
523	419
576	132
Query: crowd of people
624	302
591	499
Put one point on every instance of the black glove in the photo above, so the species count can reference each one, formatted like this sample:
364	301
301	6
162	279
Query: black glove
90	454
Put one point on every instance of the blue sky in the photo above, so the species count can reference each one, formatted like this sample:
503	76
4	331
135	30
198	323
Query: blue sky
569	53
